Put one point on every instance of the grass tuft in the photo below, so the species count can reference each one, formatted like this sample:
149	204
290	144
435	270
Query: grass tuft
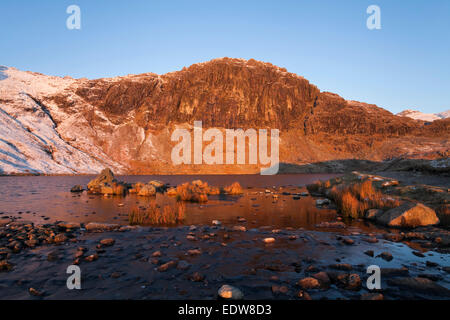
153	214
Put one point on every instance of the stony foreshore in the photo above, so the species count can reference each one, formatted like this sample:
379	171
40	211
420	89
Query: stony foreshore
123	262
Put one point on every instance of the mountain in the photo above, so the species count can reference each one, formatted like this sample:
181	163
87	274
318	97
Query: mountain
417	115
57	125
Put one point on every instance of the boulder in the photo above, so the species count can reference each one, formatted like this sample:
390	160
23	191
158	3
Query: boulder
159	186
105	178
172	192
147	191
409	215
230	292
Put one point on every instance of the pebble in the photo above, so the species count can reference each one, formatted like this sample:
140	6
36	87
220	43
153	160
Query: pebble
156	254
194	252
166	266
269	240
107	242
353	282
304	295
91	258
34	292
348	241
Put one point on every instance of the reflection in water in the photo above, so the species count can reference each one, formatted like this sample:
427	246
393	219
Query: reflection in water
41	198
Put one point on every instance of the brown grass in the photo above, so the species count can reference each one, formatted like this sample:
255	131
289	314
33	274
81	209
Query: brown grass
315	187
233	189
352	201
155	215
196	191
349	205
118	189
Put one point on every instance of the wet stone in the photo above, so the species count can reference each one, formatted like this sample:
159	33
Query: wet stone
386	256
308	283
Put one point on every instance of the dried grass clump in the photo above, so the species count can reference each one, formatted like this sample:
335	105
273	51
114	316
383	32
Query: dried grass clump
315	187
155	215
196	191
349	205
233	189
352	201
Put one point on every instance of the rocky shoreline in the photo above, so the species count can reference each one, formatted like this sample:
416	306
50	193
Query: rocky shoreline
241	260
128	262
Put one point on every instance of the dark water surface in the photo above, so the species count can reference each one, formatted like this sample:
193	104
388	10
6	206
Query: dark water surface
43	199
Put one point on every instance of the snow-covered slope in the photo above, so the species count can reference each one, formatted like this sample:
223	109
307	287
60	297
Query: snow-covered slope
29	138
417	115
444	115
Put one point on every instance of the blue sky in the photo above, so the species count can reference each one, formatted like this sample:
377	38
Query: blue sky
403	65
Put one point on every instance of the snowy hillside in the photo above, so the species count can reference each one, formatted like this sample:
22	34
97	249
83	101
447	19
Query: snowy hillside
29	139
417	115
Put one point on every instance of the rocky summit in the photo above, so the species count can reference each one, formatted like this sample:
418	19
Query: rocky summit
53	125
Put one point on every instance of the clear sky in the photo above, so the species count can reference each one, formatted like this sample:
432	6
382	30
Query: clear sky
403	65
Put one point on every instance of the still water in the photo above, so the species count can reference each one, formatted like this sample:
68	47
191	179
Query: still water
42	199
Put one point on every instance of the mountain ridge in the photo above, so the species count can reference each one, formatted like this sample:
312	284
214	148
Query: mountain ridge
125	122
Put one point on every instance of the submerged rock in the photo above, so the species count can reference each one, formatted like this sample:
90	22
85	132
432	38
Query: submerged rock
409	215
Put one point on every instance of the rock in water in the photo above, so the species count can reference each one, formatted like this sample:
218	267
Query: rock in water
308	283
77	188
101	227
147	191
105	178
409	215
158	185
230	292
373	214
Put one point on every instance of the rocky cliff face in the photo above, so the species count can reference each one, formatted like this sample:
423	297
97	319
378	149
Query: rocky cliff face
63	125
